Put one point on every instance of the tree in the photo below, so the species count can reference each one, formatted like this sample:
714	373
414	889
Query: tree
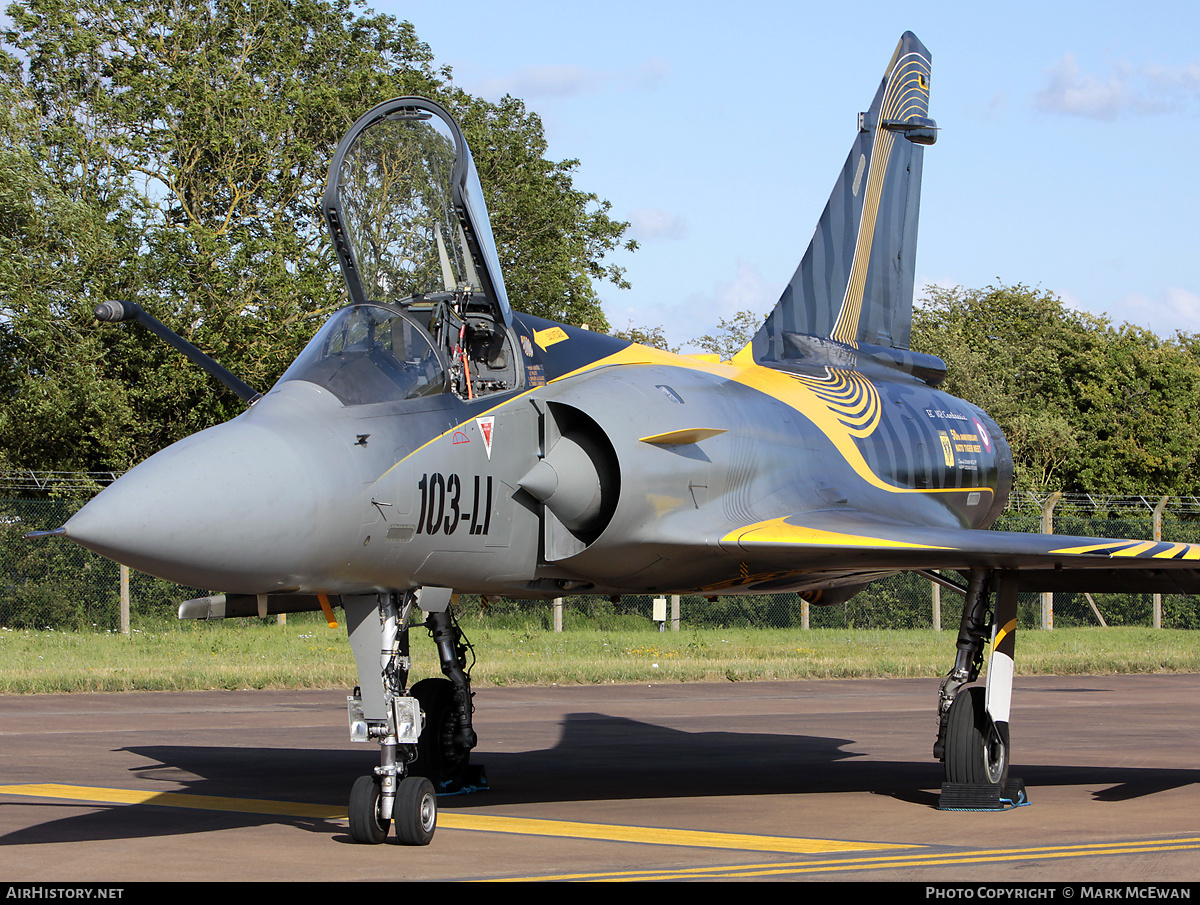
1087	407
1140	412
60	407
732	335
551	237
195	135
646	336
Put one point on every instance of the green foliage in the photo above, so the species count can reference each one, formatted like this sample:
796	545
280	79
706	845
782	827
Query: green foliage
551	237
52	585
646	336
173	153
732	335
1087	407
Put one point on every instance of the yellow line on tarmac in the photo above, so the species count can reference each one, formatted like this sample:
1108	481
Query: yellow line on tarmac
453	820
177	800
655	835
734	871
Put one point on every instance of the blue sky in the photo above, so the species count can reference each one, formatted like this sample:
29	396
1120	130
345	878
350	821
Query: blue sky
1065	160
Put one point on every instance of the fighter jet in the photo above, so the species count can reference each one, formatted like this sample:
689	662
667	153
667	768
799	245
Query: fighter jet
431	441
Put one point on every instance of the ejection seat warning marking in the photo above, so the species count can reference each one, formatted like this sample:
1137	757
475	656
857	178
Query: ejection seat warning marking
548	337
486	424
442	504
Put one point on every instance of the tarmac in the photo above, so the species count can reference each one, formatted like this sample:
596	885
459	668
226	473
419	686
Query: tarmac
828	780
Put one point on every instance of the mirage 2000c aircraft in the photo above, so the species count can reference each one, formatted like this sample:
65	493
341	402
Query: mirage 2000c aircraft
430	441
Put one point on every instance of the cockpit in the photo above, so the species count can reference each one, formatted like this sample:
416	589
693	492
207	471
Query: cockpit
429	312
371	353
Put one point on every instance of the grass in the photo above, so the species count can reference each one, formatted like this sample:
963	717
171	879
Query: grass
306	653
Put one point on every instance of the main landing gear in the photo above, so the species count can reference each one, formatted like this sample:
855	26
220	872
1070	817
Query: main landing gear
424	733
973	737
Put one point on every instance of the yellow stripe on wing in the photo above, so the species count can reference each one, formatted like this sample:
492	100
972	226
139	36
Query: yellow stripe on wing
1140	549
780	531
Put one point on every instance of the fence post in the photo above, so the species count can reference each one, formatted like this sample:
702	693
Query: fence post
1048	528
558	614
1158	514
123	573
674	612
936	616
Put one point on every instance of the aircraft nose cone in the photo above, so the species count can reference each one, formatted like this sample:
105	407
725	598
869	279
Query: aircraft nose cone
231	508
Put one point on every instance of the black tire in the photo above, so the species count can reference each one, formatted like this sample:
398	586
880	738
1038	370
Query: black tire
366	826
439	757
415	811
975	751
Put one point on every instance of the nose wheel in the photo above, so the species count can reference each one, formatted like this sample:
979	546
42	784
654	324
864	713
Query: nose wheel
367	825
414	811
429	725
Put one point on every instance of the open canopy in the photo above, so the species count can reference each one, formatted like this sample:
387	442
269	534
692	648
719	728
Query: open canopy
406	212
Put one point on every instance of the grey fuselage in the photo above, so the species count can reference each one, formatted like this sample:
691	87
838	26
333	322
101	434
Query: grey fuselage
305	494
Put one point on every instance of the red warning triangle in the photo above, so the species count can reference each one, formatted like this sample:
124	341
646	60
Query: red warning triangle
485	430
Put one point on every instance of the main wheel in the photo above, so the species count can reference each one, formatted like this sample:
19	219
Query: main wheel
366	826
415	811
975	751
439	757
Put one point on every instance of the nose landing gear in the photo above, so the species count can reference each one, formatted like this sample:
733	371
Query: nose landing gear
425	734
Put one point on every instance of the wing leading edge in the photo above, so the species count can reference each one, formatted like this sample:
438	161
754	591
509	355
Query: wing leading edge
842	541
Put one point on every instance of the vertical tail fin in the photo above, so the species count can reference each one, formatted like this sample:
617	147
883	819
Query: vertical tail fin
855	282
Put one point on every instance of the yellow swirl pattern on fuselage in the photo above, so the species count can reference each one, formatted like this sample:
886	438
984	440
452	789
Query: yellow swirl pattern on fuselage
797	394
852	398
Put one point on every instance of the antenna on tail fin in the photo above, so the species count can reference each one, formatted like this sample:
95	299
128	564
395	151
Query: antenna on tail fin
854	284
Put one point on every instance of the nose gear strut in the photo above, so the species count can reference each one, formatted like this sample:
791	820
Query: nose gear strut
424	733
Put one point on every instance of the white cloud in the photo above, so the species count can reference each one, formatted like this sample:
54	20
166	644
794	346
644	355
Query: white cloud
1075	303
652	73
560	80
923	284
1173	309
554	80
1070	91
646	224
1126	89
746	291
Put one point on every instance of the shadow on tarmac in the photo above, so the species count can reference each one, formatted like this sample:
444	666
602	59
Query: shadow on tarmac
598	758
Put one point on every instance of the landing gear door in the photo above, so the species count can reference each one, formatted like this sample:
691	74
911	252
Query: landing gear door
406	213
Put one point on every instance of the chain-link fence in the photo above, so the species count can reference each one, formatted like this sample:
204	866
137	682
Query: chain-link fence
57	584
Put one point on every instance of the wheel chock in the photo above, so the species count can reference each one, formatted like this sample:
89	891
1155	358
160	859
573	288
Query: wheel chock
982	796
473	780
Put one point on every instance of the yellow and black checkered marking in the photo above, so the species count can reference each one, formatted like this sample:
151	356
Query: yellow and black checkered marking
1141	549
